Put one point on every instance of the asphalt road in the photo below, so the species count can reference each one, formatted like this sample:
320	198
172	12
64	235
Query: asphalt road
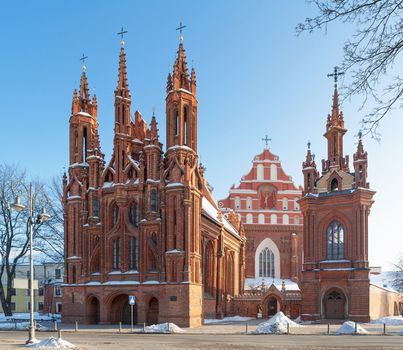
107	340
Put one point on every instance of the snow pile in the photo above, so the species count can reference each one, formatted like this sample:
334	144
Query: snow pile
228	319
52	343
167	327
348	327
389	320
277	324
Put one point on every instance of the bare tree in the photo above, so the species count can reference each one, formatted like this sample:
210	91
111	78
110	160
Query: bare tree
398	273
370	54
14	229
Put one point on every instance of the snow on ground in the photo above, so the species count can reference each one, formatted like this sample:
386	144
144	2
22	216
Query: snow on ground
348	327
20	326
389	320
25	316
277	324
228	319
52	343
168	327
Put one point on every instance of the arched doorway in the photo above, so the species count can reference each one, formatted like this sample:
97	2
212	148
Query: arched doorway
120	310
152	313
334	303
272	307
92	310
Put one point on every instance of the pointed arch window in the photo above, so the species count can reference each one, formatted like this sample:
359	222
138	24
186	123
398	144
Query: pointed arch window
115	214
84	145
116	254
335	241
266	263
95	207
334	185
134	214
185	122
133	253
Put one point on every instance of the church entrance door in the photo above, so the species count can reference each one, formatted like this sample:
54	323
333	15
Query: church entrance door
120	310
153	309
272	307
334	305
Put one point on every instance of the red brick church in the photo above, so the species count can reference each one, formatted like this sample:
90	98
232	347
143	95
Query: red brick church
144	223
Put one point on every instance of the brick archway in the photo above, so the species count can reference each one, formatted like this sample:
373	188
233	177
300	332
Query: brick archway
92	310
119	310
272	304
153	311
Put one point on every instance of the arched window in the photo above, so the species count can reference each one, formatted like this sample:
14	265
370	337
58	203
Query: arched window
237	203
273	218
248	203
208	275
266	263
249	219
334	186
260	172
296	204
152	252
115	214
153	200
285	203
296	220
273	172
134	214
176	123
335	241
261	219
286	219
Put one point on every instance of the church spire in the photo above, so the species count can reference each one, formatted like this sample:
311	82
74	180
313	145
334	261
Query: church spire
122	89
360	164
180	71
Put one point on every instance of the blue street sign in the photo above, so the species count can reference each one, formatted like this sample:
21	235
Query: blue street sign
132	299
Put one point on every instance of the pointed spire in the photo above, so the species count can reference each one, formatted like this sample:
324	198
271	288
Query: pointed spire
84	91
180	73
170	85
123	87
193	81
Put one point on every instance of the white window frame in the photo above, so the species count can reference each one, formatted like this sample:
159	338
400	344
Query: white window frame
268	243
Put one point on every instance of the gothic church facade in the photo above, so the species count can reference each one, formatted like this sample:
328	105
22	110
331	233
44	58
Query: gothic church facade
144	222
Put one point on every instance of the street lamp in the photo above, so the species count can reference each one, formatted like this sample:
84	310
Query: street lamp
40	218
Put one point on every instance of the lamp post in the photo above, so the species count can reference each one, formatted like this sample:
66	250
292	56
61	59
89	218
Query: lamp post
40	218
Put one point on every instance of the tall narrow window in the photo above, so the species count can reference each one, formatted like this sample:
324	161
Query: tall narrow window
266	263
296	204
261	219
185	121
84	145
334	186
133	253
248	203
176	123
116	254
285	203
134	214
260	172
273	219
95	207
335	241
273	172
286	219
153	200
237	203
123	160
115	214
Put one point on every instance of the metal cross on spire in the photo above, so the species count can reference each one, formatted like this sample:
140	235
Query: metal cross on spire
122	33
335	74
266	140
181	26
83	58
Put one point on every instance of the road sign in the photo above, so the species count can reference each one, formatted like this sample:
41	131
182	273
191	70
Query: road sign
132	299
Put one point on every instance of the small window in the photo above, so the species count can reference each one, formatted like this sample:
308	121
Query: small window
261	219
249	219
273	219
13	291
58	308
296	220
40	291
334	186
286	219
116	254
115	214
95	207
273	172
133	253
58	274
40	306
260	172
296	204
57	291
248	203
13	306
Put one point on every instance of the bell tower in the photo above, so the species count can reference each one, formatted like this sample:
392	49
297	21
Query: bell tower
182	208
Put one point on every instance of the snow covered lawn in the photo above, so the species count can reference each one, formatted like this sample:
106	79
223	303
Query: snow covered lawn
20	326
52	343
25	316
167	327
277	324
389	320
228	319
348	327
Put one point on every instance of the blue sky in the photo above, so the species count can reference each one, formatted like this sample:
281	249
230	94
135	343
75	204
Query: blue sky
254	77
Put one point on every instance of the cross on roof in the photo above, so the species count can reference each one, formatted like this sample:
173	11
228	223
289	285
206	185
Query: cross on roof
335	74
309	144
181	26
83	58
266	140
122	33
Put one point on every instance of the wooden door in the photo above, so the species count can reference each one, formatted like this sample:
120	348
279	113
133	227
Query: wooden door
334	306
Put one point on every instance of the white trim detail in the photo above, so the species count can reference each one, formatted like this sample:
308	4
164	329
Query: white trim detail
268	243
